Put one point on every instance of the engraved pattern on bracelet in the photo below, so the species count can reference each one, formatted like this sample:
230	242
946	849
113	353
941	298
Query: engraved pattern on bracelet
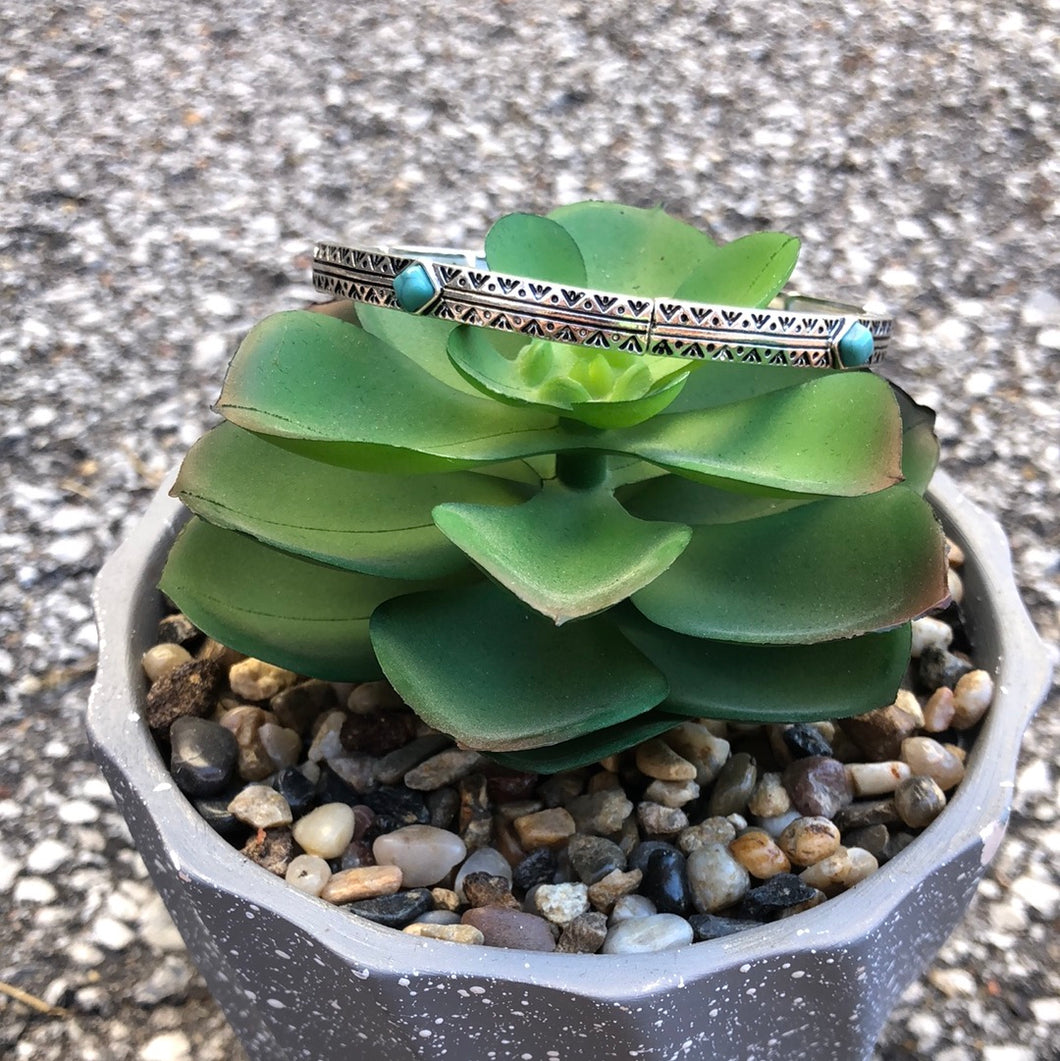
469	294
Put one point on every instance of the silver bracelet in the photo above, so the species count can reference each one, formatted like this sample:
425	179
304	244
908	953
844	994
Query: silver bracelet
458	286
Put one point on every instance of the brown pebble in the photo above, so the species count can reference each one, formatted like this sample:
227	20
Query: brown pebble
608	890
939	710
807	841
177	629
218	653
505	842
443	769
190	689
272	849
971	698
244	723
445	899
488	889
254	679
300	705
879	734
547	828
657	759
862	813
510	928
364	882
369	697
919	801
655	819
759	854
818	785
379	732
446	933
584	935
511	786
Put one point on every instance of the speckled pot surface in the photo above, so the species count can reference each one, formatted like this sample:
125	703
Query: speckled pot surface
301	979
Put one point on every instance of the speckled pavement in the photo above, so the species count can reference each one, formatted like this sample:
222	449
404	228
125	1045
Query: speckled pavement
165	169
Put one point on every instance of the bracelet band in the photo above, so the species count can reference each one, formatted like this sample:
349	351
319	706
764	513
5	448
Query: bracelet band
457	286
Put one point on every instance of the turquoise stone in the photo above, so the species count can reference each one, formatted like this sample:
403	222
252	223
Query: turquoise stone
414	288
855	347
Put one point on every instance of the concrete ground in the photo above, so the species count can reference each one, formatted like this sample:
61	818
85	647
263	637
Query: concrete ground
165	169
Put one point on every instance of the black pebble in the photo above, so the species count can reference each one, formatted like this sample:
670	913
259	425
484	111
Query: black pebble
202	755
778	893
641	854
215	812
938	667
711	926
395	806
593	857
394	911
297	789
539	867
666	883
803	741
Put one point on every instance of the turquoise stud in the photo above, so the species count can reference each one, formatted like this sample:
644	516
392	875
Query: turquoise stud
414	288
855	346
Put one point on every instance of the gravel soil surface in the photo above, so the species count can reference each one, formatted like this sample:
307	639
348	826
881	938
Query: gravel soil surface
165	170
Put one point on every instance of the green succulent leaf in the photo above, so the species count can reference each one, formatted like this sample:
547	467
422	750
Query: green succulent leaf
746	272
478	664
602	388
580	751
421	339
836	568
715	383
678	500
377	524
296	613
839	435
534	246
637	252
566	553
311	378
773	683
920	445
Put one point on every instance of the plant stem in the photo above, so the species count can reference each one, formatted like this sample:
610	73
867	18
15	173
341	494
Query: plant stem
581	469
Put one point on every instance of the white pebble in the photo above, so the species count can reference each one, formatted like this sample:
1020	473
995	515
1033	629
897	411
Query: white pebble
283	746
862	864
629	907
326	831
928	758
955	585
159	660
260	807
641	935
112	934
930	633
971	697
308	873
561	903
326	743
170	1046
876	779
423	853
47	857
34	890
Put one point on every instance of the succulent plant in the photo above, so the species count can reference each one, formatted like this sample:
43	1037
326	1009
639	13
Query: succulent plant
555	553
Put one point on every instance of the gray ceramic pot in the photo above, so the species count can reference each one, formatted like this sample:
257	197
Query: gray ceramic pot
300	979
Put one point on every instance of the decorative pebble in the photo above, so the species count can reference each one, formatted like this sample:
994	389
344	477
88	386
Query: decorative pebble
715	879
159	660
919	801
866	812
877	779
423	853
871	838
440	917
177	629
245	722
559	789
254	679
394	911
379	732
326	743
775	826
706	751
939	710
594	857
272	849
539	867
511	786
357	855
955	585
671	793
368	697
202	756
443	769
488	860
511	928
879	734
458	933
395	807
631	906
282	746
215	813
714	926
928	758
298	706
607	891
547	828
642	935
862	865
818	785
664	881
585	934
442	806
475	815
657	820
770	798
830	873
356	769
308	873
808	840
325	831
971	697
779	893
657	759
489	889
261	807
560	903
759	854
733	786
802	741
715	830
937	667
190	689
930	633
365	882
395	765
